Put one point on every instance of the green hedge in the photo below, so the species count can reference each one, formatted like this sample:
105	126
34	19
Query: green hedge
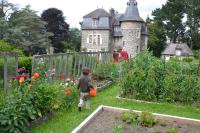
6	47
25	62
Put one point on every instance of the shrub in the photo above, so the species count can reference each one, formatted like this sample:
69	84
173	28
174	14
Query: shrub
172	130
117	129
147	119
129	117
6	47
25	62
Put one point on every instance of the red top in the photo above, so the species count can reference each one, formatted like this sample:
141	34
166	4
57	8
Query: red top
115	57
124	55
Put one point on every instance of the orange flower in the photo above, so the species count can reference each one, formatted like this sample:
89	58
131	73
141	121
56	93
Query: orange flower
36	75
67	92
21	79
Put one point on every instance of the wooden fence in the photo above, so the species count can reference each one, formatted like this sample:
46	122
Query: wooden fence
8	68
62	66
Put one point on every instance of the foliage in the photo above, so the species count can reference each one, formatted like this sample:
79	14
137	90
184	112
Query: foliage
192	11
197	54
107	70
172	130
73	41
156	37
57	25
27	31
180	20
117	129
129	117
25	62
151	79
6	8
6	47
147	119
67	120
31	99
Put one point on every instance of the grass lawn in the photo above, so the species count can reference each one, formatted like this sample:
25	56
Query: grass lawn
66	120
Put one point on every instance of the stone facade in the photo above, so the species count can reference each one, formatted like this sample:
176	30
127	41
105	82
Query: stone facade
103	31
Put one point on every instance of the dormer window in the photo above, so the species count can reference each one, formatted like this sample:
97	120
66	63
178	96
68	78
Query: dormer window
95	22
117	28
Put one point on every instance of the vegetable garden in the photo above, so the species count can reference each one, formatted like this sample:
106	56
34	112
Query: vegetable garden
51	88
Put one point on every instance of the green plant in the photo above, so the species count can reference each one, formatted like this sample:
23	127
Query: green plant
129	117
25	62
172	130
147	119
163	123
157	131
6	47
117	129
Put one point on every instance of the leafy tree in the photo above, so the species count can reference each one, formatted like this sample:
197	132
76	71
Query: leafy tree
157	37
27	31
6	8
171	15
192	10
3	27
73	41
57	25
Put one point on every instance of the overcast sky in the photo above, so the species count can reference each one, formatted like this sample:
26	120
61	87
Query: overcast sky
74	10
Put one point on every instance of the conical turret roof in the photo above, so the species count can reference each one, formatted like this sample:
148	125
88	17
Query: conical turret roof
132	13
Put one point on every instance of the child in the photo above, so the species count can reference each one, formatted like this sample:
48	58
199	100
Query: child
84	85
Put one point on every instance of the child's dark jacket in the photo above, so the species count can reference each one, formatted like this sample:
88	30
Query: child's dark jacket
84	84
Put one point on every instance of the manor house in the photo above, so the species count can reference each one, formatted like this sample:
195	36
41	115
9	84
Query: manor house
103	31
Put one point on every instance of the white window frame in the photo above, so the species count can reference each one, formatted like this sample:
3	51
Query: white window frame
95	22
94	39
137	33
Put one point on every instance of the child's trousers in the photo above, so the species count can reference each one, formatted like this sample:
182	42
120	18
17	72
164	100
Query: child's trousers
84	96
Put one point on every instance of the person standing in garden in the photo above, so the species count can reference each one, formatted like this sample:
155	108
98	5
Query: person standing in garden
84	85
124	54
115	56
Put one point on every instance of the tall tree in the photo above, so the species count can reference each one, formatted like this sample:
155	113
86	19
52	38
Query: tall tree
192	10
3	27
73	41
57	25
156	37
27	31
171	15
6	8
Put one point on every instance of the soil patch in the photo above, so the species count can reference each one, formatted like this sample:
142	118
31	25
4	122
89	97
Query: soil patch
106	120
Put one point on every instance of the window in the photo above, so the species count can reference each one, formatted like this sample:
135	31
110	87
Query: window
137	33
98	39
90	38
124	43
117	28
94	39
137	49
95	22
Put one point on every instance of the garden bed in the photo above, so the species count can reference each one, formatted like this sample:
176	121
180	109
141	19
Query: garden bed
102	82
108	119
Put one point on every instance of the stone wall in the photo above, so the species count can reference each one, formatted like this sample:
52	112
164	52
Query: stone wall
106	41
131	37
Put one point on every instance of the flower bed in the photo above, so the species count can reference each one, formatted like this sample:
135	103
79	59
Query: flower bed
110	119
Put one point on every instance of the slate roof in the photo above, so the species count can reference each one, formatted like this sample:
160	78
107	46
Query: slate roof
132	13
117	34
97	13
171	49
118	18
